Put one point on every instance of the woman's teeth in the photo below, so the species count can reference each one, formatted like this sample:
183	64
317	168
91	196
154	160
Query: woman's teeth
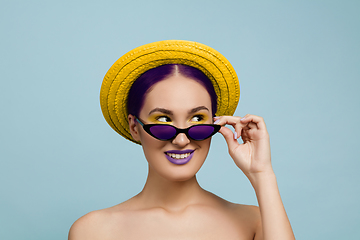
178	156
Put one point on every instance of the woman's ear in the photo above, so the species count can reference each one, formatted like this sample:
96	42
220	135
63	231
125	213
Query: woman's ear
133	126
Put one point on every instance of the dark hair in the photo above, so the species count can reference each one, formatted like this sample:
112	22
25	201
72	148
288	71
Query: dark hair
142	85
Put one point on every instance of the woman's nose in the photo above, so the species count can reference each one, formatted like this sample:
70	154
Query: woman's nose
181	140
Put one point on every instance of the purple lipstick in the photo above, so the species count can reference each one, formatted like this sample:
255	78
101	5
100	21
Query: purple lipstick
179	157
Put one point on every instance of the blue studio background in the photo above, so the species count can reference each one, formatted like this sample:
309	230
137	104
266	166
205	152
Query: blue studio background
299	67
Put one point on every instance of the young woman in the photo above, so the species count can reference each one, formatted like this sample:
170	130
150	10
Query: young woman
171	97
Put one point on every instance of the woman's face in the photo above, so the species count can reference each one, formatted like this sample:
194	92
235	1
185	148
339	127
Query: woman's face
181	102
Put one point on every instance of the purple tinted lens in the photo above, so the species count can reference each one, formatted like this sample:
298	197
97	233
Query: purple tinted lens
163	132
200	132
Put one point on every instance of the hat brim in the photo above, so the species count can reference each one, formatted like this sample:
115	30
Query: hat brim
122	74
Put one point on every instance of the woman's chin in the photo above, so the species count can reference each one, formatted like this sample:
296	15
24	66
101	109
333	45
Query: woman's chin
182	177
176	173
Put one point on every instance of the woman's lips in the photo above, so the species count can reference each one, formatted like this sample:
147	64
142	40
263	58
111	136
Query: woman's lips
179	157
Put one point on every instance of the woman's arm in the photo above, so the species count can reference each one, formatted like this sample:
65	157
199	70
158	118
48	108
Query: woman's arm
254	159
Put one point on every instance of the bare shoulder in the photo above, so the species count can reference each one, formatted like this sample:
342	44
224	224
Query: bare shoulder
246	216
88	226
249	212
97	224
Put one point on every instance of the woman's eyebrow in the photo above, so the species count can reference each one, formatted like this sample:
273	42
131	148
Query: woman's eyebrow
194	110
162	110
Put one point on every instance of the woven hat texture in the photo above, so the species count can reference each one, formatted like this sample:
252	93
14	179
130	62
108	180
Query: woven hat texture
122	74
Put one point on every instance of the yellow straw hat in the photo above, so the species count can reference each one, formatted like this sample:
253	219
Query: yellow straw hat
122	74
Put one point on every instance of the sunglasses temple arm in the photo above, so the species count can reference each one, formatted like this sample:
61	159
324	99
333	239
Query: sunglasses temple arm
139	121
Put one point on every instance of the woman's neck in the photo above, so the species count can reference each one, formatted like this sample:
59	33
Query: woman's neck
170	195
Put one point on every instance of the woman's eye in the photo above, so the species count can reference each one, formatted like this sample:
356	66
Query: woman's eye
163	119
197	118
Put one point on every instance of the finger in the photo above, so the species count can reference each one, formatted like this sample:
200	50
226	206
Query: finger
252	125
245	137
229	138
238	129
231	120
259	121
222	120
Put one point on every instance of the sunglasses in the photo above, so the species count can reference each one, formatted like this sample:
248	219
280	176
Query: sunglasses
167	132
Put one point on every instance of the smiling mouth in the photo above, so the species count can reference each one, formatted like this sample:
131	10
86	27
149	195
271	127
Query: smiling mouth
179	157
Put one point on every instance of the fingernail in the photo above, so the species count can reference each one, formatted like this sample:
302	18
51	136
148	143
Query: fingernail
242	119
217	121
235	135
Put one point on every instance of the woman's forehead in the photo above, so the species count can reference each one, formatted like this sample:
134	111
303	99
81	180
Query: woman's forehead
177	93
170	112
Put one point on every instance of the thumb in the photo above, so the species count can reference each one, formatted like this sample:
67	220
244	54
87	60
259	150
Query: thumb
229	138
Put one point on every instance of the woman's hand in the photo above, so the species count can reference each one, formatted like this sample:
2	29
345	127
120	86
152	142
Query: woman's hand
253	155
253	158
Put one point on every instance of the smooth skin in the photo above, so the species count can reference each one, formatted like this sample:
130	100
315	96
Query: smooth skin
172	205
